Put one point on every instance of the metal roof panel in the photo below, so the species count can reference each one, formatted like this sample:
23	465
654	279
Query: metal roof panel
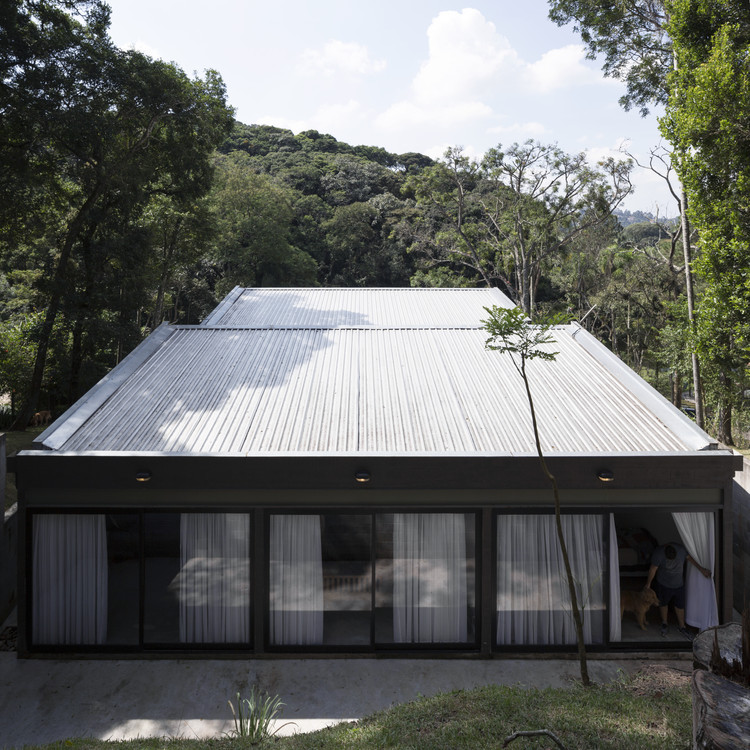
373	390
338	307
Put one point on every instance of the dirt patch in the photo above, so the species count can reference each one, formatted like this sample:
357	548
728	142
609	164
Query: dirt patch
654	679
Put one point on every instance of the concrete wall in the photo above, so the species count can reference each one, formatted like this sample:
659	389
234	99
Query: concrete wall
8	546
741	537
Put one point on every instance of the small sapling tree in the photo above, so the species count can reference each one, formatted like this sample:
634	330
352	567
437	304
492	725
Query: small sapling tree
512	333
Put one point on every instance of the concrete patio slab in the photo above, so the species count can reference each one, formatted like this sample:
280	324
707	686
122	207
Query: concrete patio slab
44	700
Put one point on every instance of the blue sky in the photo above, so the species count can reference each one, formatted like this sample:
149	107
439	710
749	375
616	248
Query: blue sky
415	75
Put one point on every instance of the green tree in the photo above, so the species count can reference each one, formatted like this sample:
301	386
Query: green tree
708	119
43	46
633	38
254	218
180	234
111	130
351	238
507	218
16	355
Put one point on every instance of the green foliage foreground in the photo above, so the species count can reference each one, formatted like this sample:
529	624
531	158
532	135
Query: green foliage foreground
642	712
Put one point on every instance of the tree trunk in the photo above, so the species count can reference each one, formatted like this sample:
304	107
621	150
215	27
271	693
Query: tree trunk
687	252
76	360
720	716
83	311
724	411
45	334
677	390
170	244
614	333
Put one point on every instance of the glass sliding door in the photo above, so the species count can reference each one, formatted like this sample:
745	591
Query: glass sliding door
123	558
347	579
161	605
533	599
197	578
426	578
69	579
214	578
296	580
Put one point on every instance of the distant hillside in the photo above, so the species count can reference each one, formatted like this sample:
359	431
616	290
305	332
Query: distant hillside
626	218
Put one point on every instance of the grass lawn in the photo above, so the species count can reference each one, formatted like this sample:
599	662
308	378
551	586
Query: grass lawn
649	711
17	441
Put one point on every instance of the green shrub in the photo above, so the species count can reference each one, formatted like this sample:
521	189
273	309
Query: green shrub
255	715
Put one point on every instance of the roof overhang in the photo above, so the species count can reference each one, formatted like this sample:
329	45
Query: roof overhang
293	471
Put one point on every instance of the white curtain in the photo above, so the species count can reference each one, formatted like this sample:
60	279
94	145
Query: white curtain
214	578
69	602
697	534
296	580
533	599
615	622
430	596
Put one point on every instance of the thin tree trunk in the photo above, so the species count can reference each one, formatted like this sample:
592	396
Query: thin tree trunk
677	390
614	333
577	620
724	416
687	251
76	360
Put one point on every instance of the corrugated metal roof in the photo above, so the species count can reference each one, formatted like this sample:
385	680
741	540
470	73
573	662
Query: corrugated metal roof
355	308
392	390
363	370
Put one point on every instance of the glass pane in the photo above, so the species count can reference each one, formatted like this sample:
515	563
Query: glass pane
425	578
296	580
161	615
347	579
320	579
197	578
214	578
533	598
69	579
123	554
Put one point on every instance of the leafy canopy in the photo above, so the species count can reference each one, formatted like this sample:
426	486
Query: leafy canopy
511	332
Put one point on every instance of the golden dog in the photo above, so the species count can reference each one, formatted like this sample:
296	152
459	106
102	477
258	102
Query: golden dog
638	602
41	418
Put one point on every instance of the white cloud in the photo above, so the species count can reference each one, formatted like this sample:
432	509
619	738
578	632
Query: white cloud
146	49
337	58
409	114
520	130
471	69
560	69
466	55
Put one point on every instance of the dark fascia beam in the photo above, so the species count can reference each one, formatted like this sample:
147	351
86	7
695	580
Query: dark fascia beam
51	470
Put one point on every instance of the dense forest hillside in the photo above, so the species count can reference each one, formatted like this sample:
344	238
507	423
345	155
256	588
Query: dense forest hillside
130	196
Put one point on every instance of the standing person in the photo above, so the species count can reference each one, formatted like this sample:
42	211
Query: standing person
668	566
